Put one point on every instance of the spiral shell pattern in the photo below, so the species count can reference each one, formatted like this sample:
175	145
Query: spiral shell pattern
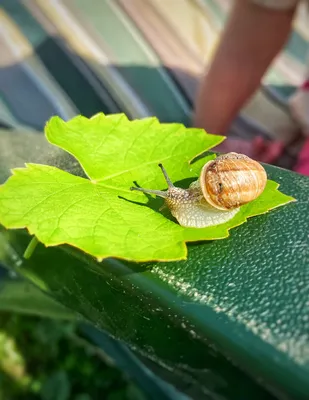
232	180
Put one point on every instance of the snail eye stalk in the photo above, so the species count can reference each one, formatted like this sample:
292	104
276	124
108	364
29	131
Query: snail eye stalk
160	193
167	178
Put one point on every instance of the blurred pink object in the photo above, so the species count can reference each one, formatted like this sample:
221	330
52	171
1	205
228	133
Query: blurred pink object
302	165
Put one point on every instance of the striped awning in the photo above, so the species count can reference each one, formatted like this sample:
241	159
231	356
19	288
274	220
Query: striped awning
141	57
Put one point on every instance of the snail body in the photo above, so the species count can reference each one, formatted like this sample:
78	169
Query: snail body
224	185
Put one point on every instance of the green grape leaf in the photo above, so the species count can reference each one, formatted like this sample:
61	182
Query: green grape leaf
100	215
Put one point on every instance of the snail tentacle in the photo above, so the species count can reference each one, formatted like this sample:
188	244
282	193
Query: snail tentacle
167	178
160	193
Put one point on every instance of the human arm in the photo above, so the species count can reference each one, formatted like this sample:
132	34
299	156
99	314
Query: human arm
253	36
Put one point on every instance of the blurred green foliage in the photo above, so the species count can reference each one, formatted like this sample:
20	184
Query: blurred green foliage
48	359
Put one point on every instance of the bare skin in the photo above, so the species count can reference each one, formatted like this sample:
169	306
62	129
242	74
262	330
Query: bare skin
252	38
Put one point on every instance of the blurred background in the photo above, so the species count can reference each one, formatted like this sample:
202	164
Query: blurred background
140	57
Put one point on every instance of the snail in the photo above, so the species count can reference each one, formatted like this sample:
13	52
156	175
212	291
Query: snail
225	183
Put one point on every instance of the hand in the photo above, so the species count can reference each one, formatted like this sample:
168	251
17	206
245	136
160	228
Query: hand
259	149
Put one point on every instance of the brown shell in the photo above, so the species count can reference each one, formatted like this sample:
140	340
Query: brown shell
232	180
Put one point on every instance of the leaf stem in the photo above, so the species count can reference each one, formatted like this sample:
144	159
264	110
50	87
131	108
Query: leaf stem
31	247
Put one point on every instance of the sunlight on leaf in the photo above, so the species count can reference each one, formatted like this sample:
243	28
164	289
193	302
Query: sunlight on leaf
100	215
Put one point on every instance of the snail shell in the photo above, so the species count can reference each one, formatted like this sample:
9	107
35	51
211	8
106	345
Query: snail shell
232	180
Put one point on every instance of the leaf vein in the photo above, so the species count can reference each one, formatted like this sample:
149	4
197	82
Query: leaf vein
48	197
